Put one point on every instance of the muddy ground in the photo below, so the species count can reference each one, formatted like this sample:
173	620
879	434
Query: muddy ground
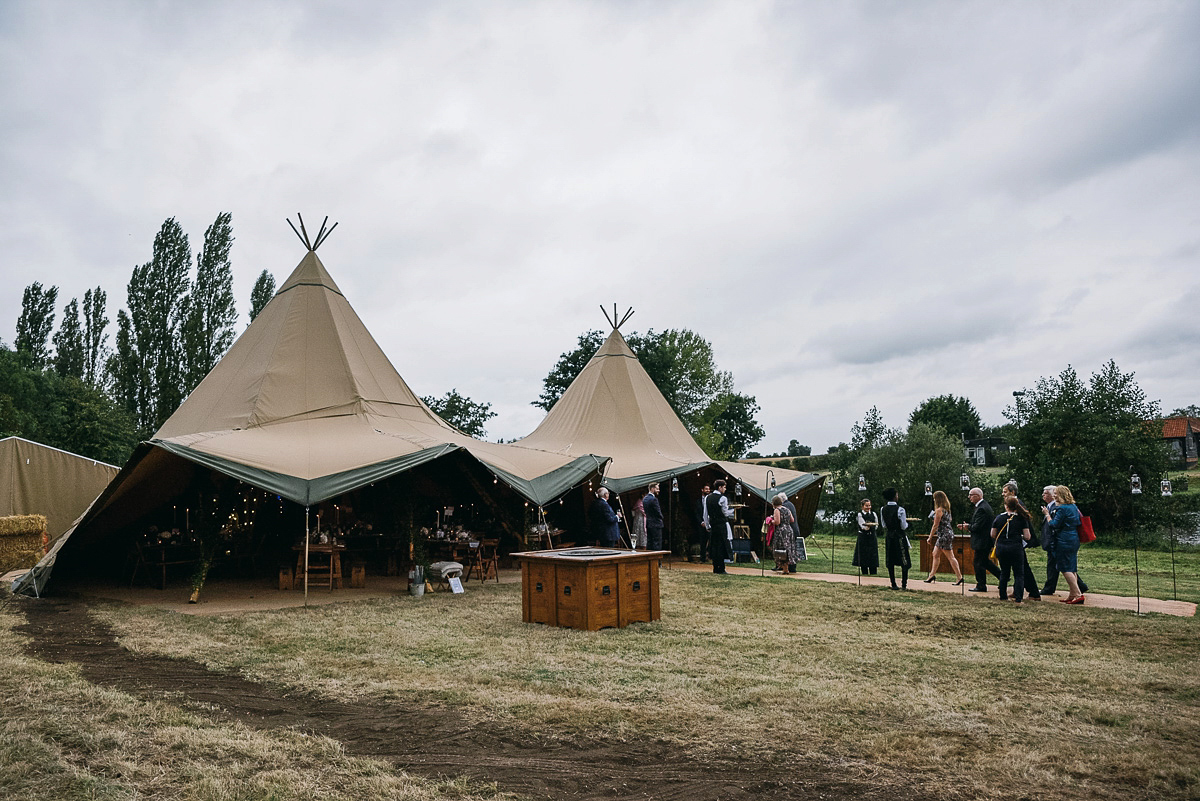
430	742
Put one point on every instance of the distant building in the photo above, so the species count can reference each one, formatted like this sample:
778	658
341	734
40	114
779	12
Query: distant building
983	452
1182	435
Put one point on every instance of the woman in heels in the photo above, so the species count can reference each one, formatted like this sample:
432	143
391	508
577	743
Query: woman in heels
941	537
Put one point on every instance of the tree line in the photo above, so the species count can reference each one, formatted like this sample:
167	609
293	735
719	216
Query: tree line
70	389
1092	435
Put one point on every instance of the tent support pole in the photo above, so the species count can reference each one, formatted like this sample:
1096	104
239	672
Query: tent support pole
306	538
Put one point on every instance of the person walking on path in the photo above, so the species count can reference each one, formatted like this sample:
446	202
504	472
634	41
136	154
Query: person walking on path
981	538
654	518
895	541
784	539
1048	540
1010	531
1064	526
866	549
720	534
1009	490
941	537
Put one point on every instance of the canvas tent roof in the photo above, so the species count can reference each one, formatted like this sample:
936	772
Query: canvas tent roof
613	407
39	479
306	405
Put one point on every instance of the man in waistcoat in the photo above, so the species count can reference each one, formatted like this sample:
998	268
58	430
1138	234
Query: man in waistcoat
895	541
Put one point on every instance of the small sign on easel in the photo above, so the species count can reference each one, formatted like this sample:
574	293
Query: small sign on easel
456	586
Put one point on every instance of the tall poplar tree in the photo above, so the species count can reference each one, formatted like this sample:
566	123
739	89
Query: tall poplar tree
68	343
35	324
153	358
95	351
264	290
208	313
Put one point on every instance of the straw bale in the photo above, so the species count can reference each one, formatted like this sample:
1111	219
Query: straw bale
23	541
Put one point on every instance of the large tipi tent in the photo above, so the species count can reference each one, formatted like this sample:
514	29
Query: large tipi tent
613	407
41	480
304	405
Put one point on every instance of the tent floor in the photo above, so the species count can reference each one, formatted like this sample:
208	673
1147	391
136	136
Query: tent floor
230	596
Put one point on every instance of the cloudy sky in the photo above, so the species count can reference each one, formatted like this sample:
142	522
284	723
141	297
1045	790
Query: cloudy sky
857	203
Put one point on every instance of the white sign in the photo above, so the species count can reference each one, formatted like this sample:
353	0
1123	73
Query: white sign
456	585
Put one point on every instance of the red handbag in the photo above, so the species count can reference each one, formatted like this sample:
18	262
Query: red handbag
1086	532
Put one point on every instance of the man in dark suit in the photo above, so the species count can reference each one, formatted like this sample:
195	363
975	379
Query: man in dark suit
981	539
719	515
654	518
605	520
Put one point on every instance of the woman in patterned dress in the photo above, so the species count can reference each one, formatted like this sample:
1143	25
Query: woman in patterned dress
941	537
784	539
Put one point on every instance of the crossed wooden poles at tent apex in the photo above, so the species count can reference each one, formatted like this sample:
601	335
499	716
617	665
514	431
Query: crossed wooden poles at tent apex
322	234
611	320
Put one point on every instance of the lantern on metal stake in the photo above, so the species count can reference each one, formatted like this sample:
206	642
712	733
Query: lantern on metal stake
675	485
1165	486
1135	484
737	490
928	489
829	487
964	482
862	483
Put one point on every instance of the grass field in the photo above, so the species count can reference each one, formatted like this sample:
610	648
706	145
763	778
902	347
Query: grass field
966	700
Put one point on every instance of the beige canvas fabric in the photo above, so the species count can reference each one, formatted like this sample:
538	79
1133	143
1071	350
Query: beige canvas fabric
36	479
614	408
307	392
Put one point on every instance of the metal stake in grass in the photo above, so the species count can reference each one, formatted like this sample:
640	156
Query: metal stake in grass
1166	493
1135	489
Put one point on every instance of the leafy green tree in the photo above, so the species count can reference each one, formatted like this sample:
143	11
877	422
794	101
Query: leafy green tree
62	411
568	366
956	416
207	313
155	300
95	349
1186	411
870	432
682	366
796	449
264	290
124	369
461	412
68	343
35	324
1091	437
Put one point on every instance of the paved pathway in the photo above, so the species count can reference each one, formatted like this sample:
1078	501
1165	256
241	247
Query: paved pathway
1179	608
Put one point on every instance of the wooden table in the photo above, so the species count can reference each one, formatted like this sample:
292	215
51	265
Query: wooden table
589	588
328	574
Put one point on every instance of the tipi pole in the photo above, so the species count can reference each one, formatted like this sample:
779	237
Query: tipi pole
625	520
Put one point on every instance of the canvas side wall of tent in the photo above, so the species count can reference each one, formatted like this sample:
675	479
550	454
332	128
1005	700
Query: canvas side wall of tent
39	479
306	406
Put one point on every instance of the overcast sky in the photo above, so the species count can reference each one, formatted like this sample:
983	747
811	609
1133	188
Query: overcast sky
857	203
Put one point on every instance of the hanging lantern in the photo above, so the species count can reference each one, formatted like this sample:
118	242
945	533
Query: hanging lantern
928	489
829	487
862	483
772	481
1135	484
1165	486
675	485
964	481
737	490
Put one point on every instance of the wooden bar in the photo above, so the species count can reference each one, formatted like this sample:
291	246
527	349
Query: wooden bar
962	551
589	588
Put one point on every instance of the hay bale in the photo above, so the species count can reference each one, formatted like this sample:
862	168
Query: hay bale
23	541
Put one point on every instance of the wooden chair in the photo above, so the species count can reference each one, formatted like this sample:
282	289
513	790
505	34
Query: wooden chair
484	560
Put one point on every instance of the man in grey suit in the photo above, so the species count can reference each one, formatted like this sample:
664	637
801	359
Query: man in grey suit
981	538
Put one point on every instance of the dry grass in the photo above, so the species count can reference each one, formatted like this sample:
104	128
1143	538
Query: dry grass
968	697
65	739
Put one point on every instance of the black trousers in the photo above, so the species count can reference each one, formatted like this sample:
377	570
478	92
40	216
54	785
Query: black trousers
1031	582
1012	563
717	546
654	538
983	566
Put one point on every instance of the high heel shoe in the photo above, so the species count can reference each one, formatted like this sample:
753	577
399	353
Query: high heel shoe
960	581
928	580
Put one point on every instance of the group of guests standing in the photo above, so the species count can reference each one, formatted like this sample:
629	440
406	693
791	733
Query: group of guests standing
648	523
1010	533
